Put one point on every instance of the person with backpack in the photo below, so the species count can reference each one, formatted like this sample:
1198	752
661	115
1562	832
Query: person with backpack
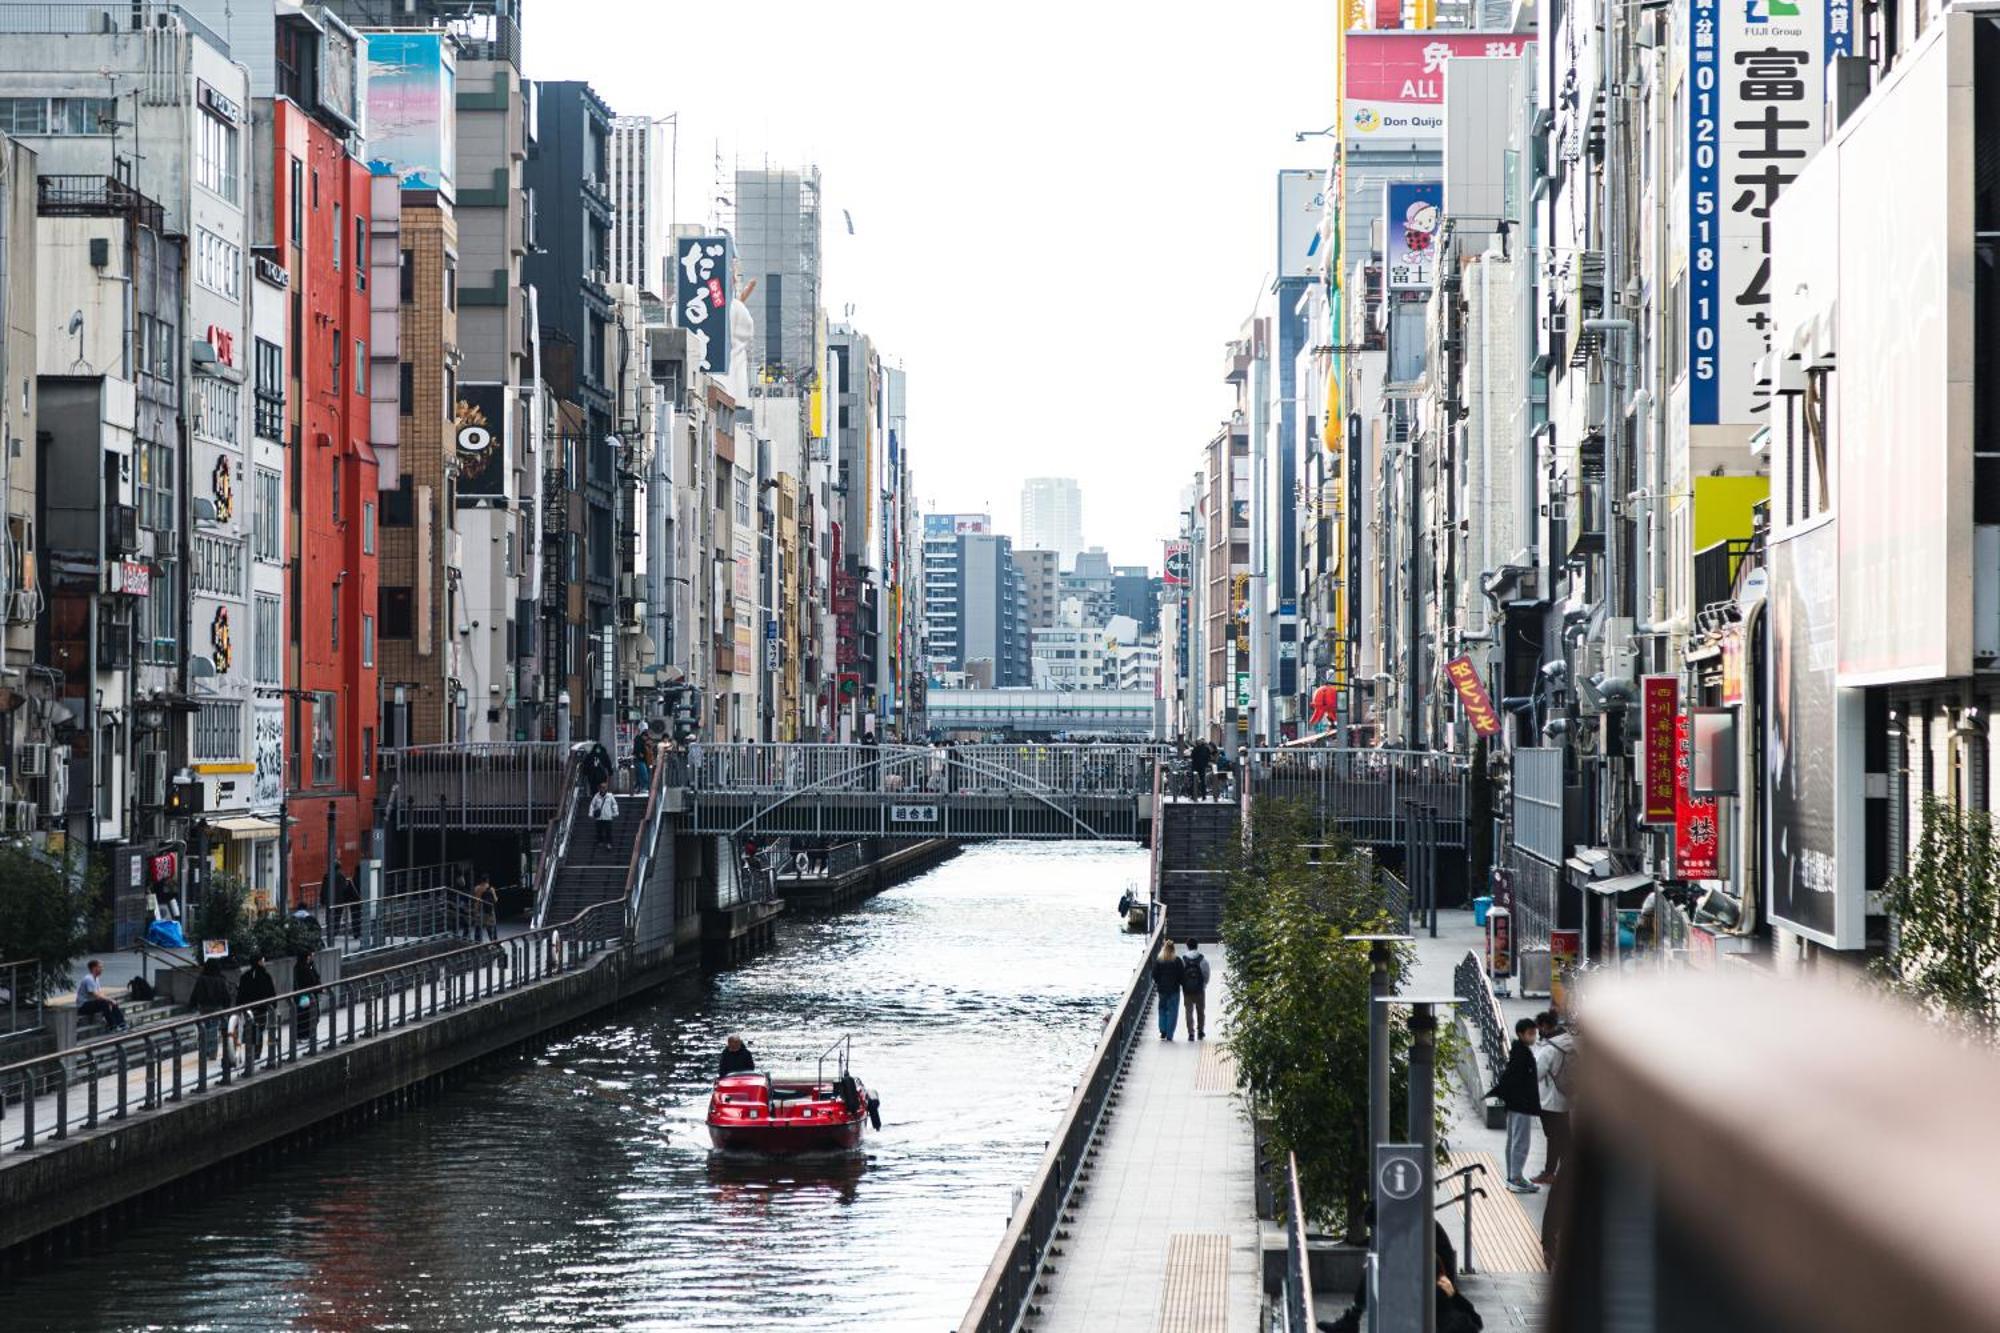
1200	759
1194	989
1554	1066
1518	1089
1168	972
211	996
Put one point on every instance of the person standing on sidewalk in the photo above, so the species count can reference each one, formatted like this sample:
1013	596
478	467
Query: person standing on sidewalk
604	812
1200	759
258	987
1168	973
1194	989
210	997
1553	1057
486	902
1519	1090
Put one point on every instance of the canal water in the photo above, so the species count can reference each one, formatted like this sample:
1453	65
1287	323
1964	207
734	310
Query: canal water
573	1188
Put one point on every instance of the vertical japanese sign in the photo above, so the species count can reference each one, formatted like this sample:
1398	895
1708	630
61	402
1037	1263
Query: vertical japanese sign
1478	704
1412	212
1697	840
1756	102
701	293
1660	700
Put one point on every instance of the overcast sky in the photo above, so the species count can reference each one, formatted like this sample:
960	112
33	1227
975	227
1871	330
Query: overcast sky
1061	210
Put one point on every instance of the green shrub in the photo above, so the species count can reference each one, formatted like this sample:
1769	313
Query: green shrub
49	911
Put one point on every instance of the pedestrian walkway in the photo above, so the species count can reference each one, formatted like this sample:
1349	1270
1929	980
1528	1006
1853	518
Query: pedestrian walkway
1165	1231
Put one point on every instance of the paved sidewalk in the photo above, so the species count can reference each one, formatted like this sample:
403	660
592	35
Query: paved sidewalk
1166	1236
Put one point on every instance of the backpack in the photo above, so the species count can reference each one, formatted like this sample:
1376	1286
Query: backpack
1195	974
1560	1075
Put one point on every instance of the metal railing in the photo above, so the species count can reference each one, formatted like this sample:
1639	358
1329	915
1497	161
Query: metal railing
403	918
21	992
1123	770
1298	1256
1006	1293
830	862
644	848
1475	994
555	838
412	878
1463	1201
1395	896
483	785
120	1076
1366	793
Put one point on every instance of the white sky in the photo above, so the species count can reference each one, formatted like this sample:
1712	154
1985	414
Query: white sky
1061	210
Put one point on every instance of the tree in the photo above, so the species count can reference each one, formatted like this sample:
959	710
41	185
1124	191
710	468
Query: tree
48	912
1299	1021
1947	915
224	914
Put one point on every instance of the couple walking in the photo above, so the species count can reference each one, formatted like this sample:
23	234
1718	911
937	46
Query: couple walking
1182	977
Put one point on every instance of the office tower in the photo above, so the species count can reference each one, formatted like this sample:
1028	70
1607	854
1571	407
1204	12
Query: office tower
1052	516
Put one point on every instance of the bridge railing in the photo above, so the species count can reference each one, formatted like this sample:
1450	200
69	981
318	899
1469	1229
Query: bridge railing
1366	792
469	784
51	1097
555	839
1119	770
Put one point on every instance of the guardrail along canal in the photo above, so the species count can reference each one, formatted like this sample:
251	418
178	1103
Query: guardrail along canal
575	1189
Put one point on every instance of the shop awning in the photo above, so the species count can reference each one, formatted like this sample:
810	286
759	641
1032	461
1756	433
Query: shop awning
1618	884
245	826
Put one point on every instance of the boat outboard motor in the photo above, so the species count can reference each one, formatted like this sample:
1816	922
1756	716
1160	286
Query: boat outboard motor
850	1096
874	1110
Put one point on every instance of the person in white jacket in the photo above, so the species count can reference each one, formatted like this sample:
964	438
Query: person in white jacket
1553	1054
604	813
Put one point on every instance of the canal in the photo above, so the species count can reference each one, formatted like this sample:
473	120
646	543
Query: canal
573	1188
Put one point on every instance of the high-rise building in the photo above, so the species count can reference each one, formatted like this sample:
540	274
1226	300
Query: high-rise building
777	230
1041	577
642	182
1052	516
974	600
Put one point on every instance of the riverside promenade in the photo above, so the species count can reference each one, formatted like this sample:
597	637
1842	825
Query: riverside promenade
1165	1235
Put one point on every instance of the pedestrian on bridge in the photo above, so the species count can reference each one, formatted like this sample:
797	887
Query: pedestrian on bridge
1201	758
1194	989
1168	972
604	812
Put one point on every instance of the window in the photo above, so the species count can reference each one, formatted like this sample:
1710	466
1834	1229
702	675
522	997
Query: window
360	254
339	236
215	155
218	731
336	490
217	407
325	720
270	371
59	115
159	349
298	203
368	752
367	527
338	341
398	614
333	604
398	507
156	487
407	279
218	566
367	640
267	515
267	647
360	367
742	497
451	282
218	264
315	190
159	617
406	389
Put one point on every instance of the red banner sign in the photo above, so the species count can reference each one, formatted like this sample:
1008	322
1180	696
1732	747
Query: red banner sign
1660	698
1472	694
1697	839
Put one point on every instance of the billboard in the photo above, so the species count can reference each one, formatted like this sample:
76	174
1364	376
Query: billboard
702	271
1394	91
1756	99
1301	206
1472	696
1412	213
1697	834
481	443
412	101
1660	701
1176	566
1814	740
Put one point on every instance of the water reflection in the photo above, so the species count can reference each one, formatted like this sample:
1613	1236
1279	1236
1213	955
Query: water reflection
575	1189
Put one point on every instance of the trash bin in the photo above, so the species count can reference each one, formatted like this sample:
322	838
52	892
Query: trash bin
1480	906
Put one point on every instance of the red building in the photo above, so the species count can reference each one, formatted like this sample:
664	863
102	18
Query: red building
320	220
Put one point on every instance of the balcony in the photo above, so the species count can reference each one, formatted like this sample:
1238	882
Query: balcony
96	197
1715	569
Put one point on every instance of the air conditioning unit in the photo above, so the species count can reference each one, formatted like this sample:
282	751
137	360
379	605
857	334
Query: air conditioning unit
22	817
23	605
56	793
33	760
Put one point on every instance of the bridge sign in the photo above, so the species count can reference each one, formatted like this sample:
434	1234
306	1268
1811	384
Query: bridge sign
913	814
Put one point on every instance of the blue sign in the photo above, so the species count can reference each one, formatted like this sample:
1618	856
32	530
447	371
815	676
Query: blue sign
1704	207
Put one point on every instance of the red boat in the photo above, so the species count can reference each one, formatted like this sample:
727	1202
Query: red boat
756	1113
